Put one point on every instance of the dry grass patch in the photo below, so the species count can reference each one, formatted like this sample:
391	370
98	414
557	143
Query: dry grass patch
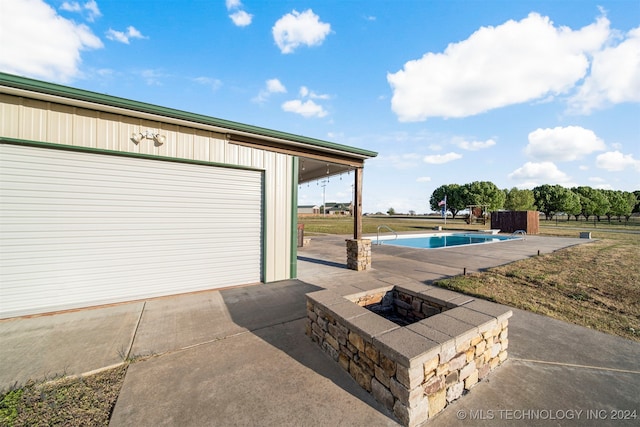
79	401
596	285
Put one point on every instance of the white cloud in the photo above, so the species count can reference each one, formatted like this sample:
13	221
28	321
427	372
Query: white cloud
475	145
124	36
397	161
305	109
603	187
296	29
527	185
91	7
305	92
600	183
241	18
133	33
614	77
118	36
438	159
562	143
540	172
424	179
72	6
275	86
271	86
152	77
615	161
215	84
38	42
512	63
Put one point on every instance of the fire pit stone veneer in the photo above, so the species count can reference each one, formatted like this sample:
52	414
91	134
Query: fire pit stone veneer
449	343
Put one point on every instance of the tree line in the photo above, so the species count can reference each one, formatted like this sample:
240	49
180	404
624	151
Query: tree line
549	199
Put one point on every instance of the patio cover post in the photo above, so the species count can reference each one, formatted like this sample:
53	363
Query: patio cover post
357	205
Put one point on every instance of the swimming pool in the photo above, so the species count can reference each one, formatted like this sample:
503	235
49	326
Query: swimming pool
434	241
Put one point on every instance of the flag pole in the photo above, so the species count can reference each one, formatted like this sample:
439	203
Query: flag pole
445	210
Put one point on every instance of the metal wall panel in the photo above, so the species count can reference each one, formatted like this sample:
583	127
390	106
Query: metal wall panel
9	116
34	120
81	229
59	123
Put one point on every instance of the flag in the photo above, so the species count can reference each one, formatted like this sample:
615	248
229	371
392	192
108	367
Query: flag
443	201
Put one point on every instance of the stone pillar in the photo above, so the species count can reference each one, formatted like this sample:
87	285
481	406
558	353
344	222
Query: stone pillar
359	254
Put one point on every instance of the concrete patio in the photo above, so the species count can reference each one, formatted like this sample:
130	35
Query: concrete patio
240	356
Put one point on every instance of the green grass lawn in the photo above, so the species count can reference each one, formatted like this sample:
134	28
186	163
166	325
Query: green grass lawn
344	225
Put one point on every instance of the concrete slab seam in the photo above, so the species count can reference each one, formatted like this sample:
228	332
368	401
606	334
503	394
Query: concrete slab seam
135	332
247	331
573	365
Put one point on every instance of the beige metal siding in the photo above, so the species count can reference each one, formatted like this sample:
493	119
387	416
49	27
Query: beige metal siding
51	122
81	229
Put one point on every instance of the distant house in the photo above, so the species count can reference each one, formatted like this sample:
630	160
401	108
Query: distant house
338	208
309	210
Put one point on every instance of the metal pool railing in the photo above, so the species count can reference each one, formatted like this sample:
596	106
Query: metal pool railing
521	233
388	228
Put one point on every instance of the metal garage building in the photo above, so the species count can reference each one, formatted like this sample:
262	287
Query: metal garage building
106	200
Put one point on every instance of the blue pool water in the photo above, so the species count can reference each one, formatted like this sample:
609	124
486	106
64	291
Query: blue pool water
443	240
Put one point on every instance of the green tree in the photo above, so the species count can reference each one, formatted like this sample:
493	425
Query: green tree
519	200
484	193
455	198
636	208
601	203
617	203
593	202
391	211
632	200
571	204
551	199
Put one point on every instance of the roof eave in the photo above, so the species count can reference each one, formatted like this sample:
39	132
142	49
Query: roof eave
31	85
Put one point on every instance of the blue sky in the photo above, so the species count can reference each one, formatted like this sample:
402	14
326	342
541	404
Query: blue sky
520	93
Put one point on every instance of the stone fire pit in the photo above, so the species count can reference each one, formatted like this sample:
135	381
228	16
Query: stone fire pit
415	348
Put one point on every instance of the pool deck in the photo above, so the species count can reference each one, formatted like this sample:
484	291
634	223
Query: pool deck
426	265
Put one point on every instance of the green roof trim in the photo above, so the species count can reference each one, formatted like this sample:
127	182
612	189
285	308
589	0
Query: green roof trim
24	83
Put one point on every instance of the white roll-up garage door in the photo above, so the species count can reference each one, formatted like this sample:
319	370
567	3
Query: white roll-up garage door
81	229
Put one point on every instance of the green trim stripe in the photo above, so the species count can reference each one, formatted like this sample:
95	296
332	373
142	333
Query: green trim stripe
293	273
63	147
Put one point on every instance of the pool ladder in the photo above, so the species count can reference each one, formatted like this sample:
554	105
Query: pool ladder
520	233
378	242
